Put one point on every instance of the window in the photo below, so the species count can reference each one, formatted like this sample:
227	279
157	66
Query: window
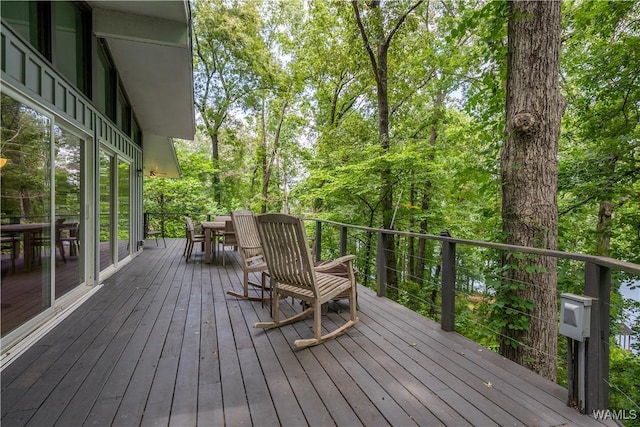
32	20
71	43
136	134
23	18
60	31
123	114
105	93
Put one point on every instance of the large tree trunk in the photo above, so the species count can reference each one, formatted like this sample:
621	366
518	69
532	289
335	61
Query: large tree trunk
529	180
380	71
386	175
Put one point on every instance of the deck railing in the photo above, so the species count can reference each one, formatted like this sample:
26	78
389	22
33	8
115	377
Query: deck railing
461	268
436	275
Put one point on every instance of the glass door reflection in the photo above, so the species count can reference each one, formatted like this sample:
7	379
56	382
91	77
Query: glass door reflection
124	246
25	188
69	155
106	211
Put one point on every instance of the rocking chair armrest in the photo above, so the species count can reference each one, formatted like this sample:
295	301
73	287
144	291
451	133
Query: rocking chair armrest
334	263
254	258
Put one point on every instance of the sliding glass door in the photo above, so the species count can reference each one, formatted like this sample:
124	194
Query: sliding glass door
25	186
115	221
46	224
124	203
106	247
69	225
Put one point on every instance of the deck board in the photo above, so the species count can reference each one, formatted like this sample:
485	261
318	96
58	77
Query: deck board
161	343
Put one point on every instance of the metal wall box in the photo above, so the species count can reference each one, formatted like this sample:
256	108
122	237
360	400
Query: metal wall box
575	316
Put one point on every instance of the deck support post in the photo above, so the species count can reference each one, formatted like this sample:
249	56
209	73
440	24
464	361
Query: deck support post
598	285
447	319
381	263
343	241
145	224
318	243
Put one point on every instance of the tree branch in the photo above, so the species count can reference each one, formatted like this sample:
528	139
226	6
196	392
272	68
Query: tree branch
276	140
365	39
398	104
606	185
577	205
400	21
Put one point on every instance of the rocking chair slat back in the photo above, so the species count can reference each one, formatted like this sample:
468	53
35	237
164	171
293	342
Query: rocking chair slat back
286	250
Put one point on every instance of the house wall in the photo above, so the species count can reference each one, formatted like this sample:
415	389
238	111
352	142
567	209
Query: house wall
25	72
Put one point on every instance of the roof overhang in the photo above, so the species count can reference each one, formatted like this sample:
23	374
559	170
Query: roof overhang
150	43
160	159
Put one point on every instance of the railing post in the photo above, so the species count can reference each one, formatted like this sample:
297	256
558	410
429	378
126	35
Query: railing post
343	241
145	224
597	285
318	242
381	263
447	319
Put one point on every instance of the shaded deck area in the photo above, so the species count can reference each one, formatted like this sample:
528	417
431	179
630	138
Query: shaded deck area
162	344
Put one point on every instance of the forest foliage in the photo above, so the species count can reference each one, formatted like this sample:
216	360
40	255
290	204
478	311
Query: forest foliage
287	113
296	102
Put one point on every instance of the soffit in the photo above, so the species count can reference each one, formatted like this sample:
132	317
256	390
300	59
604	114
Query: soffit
150	44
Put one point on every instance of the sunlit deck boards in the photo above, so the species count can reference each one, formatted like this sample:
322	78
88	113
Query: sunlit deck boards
162	344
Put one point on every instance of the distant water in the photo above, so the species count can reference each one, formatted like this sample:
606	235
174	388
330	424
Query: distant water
633	294
629	293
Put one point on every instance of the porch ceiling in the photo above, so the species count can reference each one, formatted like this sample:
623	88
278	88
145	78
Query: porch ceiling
150	45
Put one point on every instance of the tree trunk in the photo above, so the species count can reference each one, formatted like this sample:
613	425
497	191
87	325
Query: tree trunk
603	229
529	180
215	160
426	194
386	175
263	160
267	166
413	272
380	71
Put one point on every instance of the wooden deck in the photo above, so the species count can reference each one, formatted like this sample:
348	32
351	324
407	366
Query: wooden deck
162	344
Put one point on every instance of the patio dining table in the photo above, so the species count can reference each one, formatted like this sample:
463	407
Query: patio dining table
28	232
211	229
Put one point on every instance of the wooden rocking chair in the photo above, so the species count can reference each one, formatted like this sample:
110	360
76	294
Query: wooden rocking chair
293	274
248	241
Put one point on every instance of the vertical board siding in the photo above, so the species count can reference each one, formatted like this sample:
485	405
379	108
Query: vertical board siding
26	70
15	63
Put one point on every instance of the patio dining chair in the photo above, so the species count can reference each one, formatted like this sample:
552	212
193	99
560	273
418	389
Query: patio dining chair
228	238
192	238
284	241
67	233
151	232
248	242
12	243
42	241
